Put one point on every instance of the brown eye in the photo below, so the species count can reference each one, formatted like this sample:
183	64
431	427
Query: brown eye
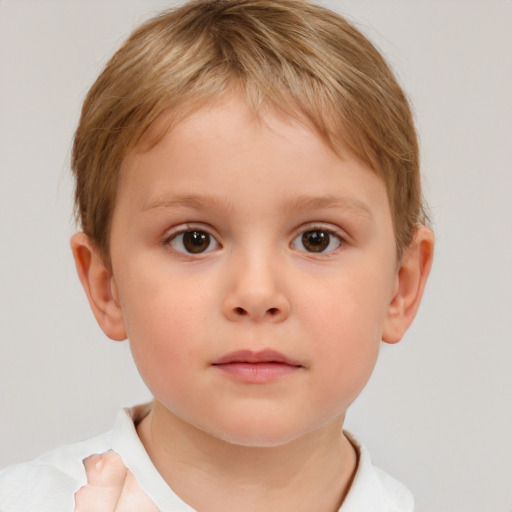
193	241
317	240
196	241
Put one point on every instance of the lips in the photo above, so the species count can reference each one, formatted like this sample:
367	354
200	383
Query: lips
263	356
256	367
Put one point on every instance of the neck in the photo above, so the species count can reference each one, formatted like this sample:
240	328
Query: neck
313	472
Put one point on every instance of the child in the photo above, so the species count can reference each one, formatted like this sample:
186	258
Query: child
248	188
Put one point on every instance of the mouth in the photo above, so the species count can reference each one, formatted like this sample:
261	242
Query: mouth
256	367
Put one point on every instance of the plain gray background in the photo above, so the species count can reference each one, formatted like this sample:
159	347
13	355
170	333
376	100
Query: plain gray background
437	413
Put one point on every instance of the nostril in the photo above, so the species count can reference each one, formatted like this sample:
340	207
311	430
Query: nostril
240	311
273	311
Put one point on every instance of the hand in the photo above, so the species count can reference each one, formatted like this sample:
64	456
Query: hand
111	487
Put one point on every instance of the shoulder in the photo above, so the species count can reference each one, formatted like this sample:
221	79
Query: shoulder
374	489
48	483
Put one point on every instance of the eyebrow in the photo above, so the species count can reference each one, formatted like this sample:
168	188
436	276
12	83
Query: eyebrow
330	201
300	203
196	201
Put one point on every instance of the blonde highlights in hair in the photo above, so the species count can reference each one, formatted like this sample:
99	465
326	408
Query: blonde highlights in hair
291	55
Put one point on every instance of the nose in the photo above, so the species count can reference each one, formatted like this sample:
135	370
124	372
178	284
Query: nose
255	293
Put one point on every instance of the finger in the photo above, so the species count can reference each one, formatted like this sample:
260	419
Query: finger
106	474
105	469
134	498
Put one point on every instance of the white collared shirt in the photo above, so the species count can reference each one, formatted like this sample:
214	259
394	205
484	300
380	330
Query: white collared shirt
48	483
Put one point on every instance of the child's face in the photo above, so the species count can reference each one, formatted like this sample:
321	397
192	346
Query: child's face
237	243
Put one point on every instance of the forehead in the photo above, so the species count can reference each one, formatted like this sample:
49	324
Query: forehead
231	114
227	150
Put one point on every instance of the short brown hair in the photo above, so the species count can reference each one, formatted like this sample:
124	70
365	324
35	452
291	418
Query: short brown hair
300	58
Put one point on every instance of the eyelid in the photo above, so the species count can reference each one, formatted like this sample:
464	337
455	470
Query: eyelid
323	226
190	226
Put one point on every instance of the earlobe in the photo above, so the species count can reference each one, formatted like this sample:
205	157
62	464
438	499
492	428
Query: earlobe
99	286
411	279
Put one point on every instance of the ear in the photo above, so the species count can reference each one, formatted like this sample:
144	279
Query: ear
410	282
98	282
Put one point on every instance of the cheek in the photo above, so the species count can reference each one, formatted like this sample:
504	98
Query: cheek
348	354
159	354
346	326
347	364
165	329
347	312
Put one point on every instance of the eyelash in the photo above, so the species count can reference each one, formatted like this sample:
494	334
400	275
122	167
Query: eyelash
199	234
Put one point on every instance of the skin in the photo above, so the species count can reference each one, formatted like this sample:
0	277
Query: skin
254	186
111	487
